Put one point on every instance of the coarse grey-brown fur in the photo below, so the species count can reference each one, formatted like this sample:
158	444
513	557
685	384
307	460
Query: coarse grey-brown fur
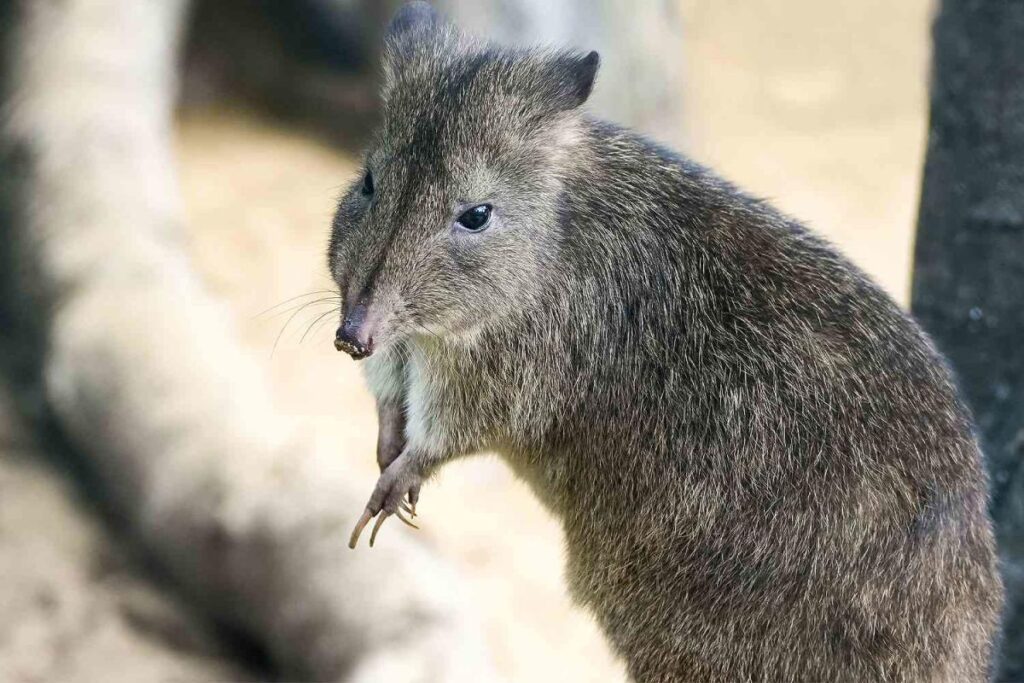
760	463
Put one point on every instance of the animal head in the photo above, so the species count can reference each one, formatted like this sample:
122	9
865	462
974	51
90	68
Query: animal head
454	222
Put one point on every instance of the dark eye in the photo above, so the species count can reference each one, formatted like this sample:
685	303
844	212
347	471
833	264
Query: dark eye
367	188
476	219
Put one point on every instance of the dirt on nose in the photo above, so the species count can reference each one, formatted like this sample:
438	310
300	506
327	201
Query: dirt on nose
354	349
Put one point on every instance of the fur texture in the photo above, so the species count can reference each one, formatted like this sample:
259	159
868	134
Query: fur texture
760	463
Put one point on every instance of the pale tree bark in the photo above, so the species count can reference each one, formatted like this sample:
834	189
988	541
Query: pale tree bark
74	600
640	83
969	261
110	336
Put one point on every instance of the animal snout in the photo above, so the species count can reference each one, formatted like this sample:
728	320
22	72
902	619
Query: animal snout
354	337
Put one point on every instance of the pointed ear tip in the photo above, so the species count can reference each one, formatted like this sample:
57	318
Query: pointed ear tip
412	15
418	6
589	65
588	73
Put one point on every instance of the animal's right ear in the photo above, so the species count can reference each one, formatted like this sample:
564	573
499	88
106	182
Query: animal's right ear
573	78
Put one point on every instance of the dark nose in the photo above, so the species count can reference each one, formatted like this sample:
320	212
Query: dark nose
353	336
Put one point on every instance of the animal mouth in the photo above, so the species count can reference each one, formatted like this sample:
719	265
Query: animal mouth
354	349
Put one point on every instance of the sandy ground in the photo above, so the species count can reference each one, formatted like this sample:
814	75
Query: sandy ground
818	106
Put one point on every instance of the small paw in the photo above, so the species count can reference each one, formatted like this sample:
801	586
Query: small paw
400	480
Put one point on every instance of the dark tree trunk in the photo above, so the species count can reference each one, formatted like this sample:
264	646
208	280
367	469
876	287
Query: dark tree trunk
968	288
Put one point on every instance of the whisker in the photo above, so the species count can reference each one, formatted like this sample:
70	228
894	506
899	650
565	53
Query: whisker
318	320
333	301
318	328
284	327
294	298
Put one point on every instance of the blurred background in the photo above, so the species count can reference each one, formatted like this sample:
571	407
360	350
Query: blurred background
819	107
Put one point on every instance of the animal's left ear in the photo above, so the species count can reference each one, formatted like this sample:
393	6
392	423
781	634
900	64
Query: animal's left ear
415	25
413	21
574	76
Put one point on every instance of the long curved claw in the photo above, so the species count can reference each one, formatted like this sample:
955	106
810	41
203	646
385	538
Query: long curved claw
398	513
376	527
405	506
414	496
360	525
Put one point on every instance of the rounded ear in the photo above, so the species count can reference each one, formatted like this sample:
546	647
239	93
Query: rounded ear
412	18
574	78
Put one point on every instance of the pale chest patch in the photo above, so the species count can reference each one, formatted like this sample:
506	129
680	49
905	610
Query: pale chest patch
386	375
426	427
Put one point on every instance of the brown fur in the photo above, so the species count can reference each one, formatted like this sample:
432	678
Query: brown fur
760	463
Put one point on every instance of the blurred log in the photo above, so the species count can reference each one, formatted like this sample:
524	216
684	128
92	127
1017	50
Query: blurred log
72	601
111	335
308	62
968	289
